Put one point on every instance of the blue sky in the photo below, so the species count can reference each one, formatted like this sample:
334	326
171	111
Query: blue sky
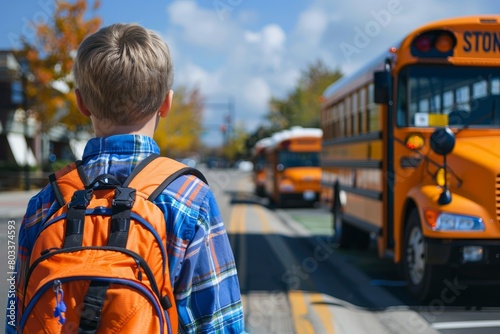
251	50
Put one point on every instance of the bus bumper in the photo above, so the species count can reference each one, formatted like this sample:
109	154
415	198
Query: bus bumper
463	253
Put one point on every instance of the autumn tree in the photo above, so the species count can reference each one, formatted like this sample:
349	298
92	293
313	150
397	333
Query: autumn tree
50	56
181	130
302	105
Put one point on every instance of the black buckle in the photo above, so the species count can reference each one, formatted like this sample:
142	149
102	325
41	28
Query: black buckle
124	197
91	313
81	199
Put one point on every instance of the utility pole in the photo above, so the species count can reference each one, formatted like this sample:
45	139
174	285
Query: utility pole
24	83
227	126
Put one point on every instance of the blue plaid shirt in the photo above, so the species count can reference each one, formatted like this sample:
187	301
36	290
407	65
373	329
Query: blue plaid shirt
201	262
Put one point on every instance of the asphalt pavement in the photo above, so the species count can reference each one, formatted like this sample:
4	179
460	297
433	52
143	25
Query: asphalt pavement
13	203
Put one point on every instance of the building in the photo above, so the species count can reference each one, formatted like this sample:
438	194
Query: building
21	141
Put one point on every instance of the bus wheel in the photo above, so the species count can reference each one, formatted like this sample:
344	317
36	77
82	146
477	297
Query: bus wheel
423	279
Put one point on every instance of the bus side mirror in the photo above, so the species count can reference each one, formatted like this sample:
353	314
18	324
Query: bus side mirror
442	142
381	81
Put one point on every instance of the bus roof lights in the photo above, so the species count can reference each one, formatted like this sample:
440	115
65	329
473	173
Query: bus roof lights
285	144
434	44
423	43
444	43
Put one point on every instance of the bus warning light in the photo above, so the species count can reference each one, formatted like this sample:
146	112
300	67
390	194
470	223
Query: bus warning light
434	44
431	217
444	43
423	43
414	141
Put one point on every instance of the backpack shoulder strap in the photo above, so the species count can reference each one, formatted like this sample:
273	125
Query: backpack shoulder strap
160	171
68	179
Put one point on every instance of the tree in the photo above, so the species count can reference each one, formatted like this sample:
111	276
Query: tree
302	106
181	130
260	133
50	57
236	148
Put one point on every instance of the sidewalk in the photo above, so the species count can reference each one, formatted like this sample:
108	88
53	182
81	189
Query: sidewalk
13	203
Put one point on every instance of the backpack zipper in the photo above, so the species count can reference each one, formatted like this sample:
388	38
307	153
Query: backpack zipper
140	287
138	260
107	212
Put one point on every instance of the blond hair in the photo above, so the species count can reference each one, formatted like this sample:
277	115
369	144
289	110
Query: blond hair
123	72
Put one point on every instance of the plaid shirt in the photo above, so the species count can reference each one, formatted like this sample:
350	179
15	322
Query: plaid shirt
201	262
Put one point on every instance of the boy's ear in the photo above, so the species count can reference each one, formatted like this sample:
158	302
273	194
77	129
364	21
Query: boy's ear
81	105
167	104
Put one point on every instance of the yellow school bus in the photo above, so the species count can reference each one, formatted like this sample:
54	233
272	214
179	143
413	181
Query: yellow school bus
292	167
411	154
259	159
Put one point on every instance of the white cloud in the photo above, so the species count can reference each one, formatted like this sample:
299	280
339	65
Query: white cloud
252	60
387	22
193	75
198	26
256	93
247	66
266	47
312	24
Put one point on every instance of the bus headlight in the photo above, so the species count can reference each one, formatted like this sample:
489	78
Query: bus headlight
286	186
439	221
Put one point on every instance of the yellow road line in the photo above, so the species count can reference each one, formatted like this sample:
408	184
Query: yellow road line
266	227
236	222
321	309
299	313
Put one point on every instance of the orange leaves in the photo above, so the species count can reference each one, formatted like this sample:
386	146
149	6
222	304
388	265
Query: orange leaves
180	131
50	57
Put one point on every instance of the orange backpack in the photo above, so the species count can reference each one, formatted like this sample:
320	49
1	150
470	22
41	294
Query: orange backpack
99	264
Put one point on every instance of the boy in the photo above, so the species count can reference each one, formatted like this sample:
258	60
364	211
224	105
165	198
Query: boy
124	77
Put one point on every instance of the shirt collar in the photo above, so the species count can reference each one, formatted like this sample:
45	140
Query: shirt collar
121	144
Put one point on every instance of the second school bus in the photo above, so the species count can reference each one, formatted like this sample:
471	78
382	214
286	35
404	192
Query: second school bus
259	162
411	154
292	168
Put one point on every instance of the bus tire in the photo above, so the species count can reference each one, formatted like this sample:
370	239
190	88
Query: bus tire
424	280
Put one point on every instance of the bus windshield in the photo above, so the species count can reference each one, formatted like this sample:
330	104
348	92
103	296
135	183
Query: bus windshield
298	159
430	96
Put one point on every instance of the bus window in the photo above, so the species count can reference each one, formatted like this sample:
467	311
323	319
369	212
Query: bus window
495	86
355	114
463	98
447	102
479	89
423	106
373	117
348	115
363	120
440	96
436	104
298	159
341	120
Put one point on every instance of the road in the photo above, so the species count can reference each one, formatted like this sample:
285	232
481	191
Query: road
295	280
